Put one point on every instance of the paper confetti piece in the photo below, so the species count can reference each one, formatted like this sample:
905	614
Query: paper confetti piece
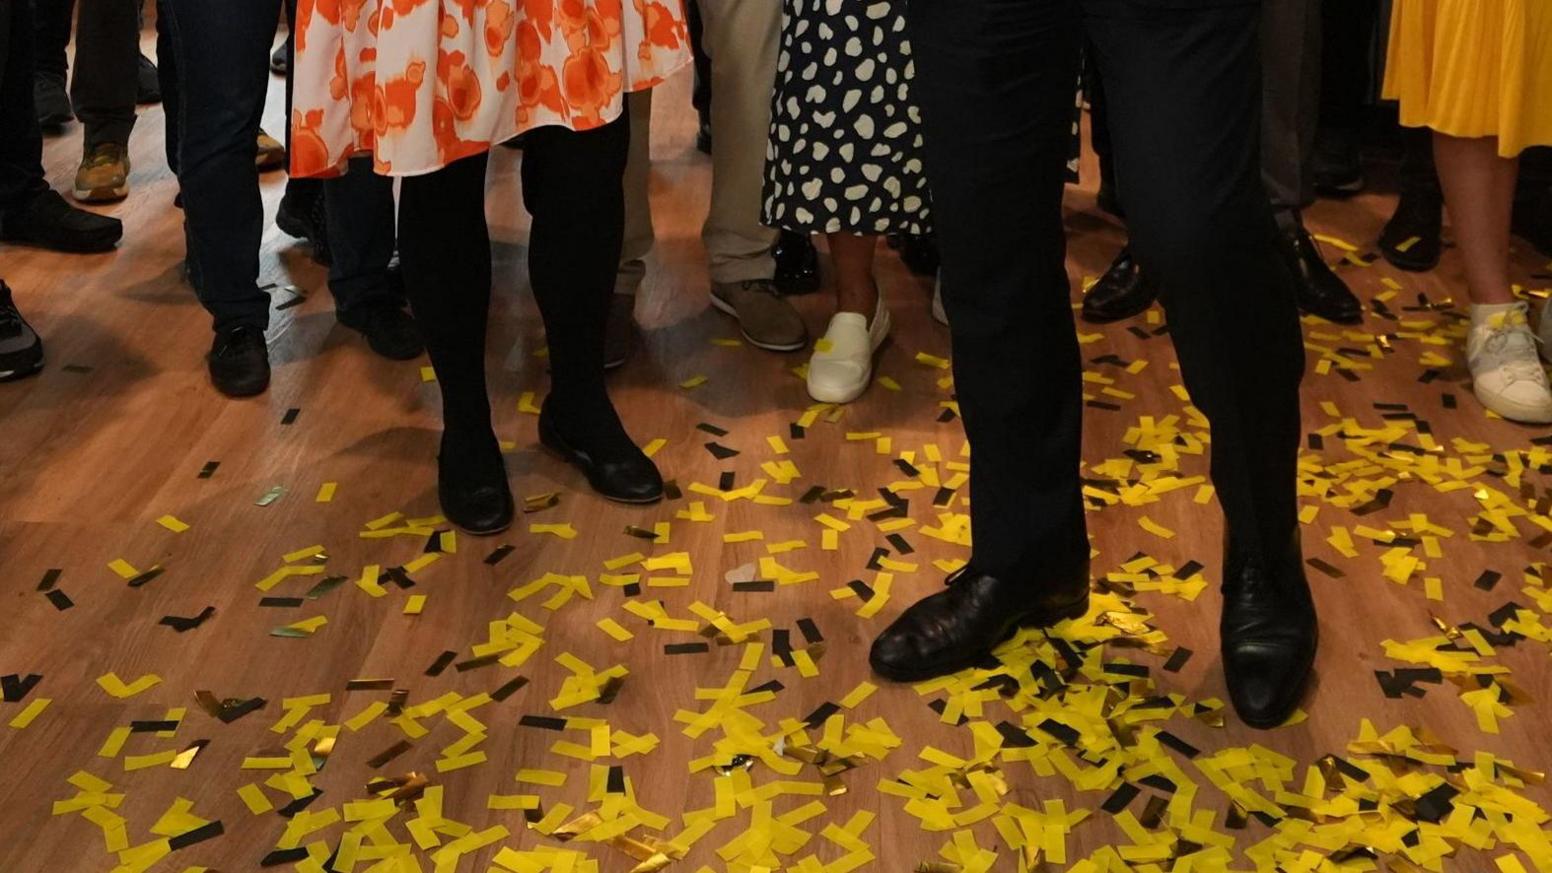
693	382
564	531
414	604
326	492
116	687
172	524
29	712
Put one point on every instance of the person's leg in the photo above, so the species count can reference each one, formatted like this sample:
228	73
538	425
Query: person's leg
700	92
107	61
855	289
30	211
620	333
1290	117
222	78
994	81
21	148
741	39
1185	100
444	248
572	188
1346	85
53	24
167	77
1411	239
359	213
1506	372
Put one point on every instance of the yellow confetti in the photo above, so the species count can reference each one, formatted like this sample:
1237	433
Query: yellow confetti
29	712
415	604
172	524
116	687
326	492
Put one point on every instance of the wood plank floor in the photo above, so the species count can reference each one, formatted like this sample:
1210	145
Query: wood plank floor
114	434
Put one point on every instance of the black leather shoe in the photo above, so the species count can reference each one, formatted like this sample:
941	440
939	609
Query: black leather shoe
388	329
958	627
1121	293
21	351
239	362
1268	633
703	137
279	59
797	264
920	254
626	476
302	216
47	221
1410	240
472	484
52	101
1319	291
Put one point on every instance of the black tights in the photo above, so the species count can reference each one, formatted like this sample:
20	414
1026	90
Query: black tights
572	188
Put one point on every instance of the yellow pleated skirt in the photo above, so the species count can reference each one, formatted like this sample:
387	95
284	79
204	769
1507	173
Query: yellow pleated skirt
1474	68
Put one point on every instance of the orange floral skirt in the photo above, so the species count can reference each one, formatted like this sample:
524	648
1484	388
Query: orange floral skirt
419	84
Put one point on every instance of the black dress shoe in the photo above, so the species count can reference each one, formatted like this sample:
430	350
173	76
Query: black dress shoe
703	137
239	362
1268	633
1410	240
21	351
623	475
302	215
279	59
51	100
388	329
148	87
1319	291
472	483
1124	291
959	626
47	221
797	264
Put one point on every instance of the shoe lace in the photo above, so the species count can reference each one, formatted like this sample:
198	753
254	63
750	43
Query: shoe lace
1510	340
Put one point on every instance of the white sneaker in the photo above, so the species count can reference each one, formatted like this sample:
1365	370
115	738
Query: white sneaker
842	365
1505	371
938	312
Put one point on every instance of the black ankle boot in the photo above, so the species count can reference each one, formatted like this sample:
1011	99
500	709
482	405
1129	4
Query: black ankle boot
615	468
472	484
1121	293
1411	238
1268	633
960	625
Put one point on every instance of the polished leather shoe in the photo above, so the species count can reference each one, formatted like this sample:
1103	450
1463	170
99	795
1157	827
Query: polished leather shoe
239	361
1121	293
1410	240
472	486
1268	634
1319	291
958	627
623	476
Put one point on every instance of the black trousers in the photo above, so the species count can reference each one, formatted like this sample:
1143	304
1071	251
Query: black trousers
21	142
1183	85
107	58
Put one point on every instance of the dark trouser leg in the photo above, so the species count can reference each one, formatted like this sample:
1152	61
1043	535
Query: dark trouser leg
167	78
223	70
1185	98
359	213
21	146
52	25
994	84
107	63
1290	114
573	250
444	245
700	94
1099	125
1347	63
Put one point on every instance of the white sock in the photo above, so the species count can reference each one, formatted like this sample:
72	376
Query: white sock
1482	313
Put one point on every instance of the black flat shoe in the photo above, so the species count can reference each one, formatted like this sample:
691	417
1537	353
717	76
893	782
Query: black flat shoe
472	486
148	87
624	477
48	222
302	214
389	330
1319	291
1121	293
52	101
1410	240
239	362
1268	635
959	626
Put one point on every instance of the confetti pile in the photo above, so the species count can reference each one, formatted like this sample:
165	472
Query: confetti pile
712	636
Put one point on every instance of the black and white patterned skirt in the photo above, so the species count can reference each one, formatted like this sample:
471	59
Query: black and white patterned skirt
846	143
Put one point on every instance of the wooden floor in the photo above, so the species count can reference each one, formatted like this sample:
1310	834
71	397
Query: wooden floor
113	436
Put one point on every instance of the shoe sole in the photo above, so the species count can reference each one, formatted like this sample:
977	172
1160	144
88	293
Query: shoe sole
1400	263
1034	620
867	381
557	447
727	309
107	194
95	247
21	372
1517	413
477	532
1096	318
